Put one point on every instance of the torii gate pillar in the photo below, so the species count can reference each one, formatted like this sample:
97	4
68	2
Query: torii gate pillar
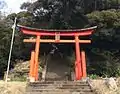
78	68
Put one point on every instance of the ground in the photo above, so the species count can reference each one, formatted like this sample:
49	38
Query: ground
101	88
19	87
12	87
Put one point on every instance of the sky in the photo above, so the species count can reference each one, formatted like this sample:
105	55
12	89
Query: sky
13	5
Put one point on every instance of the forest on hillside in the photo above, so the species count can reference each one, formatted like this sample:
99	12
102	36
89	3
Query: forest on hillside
103	55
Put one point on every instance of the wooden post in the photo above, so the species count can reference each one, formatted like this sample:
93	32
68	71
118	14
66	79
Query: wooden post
36	57
84	73
32	65
78	60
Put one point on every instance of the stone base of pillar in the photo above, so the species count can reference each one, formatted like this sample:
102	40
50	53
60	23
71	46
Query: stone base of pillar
31	79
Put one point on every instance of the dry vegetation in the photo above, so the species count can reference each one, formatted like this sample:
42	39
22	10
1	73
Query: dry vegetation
101	88
12	87
19	87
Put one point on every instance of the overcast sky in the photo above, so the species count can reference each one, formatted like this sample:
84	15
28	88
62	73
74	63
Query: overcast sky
13	5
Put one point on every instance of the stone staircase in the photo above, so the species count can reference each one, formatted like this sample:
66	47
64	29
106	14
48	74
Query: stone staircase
59	87
56	82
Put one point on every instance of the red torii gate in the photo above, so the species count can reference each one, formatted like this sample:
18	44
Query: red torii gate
80	63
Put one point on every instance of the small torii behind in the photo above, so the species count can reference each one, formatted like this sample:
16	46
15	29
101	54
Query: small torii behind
80	63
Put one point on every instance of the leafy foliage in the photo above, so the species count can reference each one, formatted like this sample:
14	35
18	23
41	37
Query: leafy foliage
108	65
57	13
105	19
4	44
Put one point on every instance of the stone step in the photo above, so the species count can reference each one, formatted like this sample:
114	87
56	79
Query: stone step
60	87
60	90
59	93
59	82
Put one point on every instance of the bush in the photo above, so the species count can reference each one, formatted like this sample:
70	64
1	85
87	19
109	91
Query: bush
93	76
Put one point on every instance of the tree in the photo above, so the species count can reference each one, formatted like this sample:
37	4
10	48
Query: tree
57	13
65	14
5	34
105	43
108	23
